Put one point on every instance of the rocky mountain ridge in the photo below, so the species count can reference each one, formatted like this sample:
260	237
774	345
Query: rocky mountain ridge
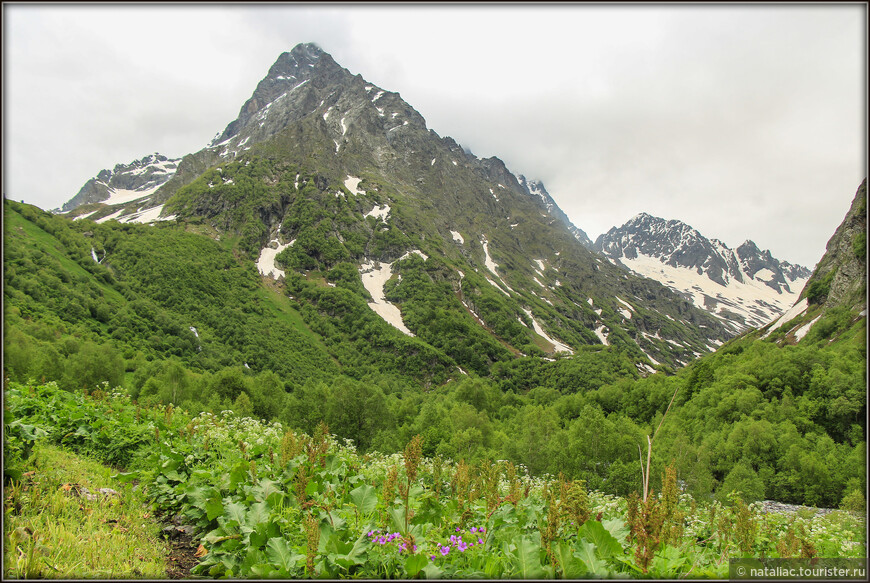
125	182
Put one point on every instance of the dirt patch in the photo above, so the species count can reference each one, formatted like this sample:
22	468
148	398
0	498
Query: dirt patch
181	557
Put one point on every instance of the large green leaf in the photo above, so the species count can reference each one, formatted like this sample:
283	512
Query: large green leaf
347	553
258	514
617	528
414	564
235	511
668	562
365	498
239	475
432	571
594	565
594	532
281	554
265	489
397	519
571	566
214	507
528	558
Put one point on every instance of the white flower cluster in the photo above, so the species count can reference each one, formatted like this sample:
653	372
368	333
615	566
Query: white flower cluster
225	430
607	504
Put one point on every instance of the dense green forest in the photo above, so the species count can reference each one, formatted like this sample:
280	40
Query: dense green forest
176	314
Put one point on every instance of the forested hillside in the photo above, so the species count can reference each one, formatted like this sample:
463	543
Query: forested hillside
262	501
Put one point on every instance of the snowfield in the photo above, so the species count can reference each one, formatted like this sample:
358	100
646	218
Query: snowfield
490	264
601	335
757	303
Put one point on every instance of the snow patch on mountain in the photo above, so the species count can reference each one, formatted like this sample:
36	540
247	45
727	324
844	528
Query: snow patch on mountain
625	313
374	275
793	312
802	331
458	237
146	216
352	183
266	260
496	286
379	212
490	264
557	346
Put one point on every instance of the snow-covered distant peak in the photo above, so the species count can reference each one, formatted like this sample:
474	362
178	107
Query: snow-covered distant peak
746	287
126	182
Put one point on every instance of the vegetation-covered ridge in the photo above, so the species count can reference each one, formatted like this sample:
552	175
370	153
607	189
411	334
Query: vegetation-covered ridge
268	502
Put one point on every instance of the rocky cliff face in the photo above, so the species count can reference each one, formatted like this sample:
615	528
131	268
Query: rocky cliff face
840	278
535	188
835	296
745	287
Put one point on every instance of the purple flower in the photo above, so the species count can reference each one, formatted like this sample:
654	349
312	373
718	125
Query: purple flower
462	546
480	541
432	557
457	529
445	550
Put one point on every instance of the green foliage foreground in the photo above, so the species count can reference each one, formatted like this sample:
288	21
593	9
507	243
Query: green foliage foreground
266	502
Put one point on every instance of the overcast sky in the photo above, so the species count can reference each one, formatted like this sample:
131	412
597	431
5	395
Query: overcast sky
747	122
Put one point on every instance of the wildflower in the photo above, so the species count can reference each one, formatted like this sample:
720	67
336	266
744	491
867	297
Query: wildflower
445	550
480	541
461	546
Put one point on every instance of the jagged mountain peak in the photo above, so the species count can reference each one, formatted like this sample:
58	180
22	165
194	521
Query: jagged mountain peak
305	63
